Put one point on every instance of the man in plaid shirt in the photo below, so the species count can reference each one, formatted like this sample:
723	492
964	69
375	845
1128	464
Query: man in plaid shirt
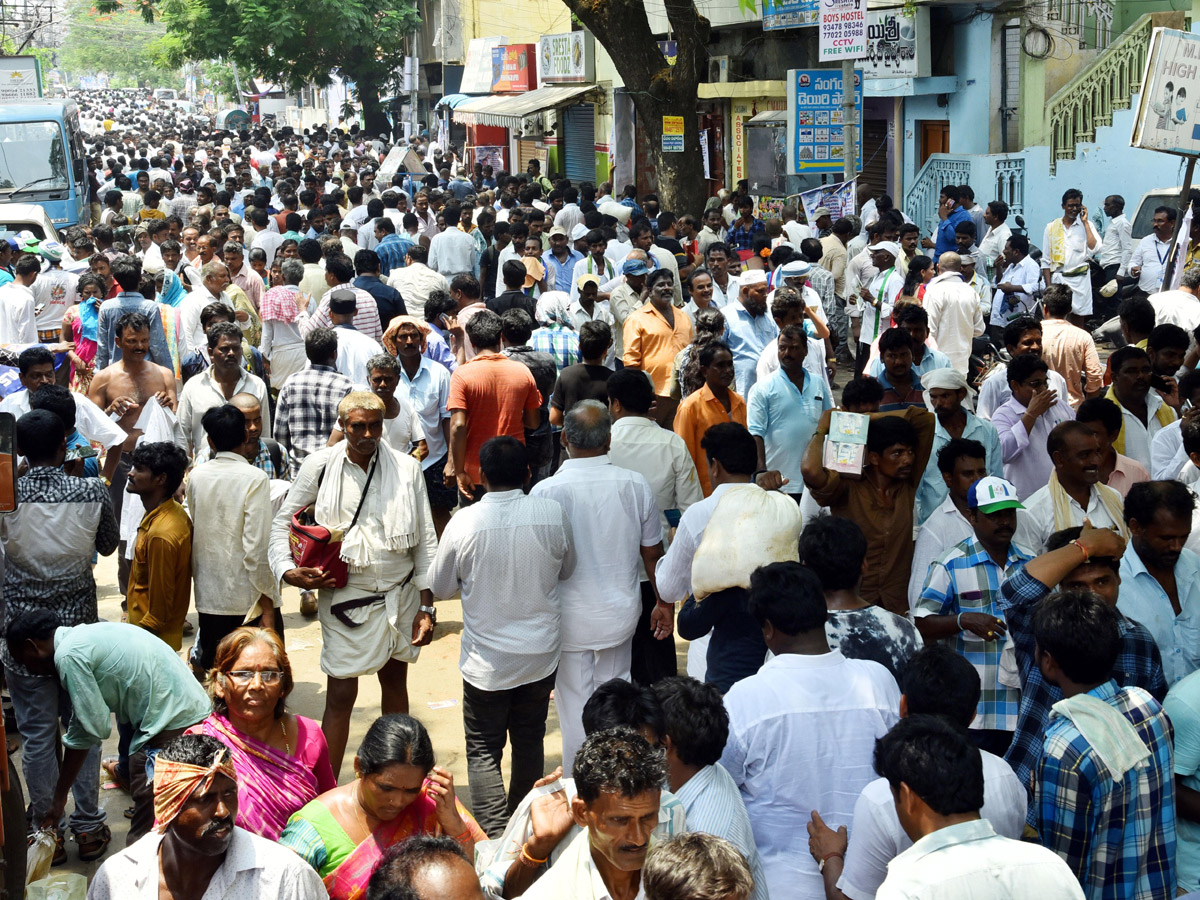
960	604
1077	559
1105	792
307	409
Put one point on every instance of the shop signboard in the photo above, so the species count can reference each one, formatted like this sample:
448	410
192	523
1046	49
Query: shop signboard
566	58
897	45
843	30
815	121
778	14
514	68
1168	113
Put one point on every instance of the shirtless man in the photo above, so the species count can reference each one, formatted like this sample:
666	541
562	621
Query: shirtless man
124	387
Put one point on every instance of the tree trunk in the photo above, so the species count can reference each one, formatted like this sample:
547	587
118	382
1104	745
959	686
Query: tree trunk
375	120
680	183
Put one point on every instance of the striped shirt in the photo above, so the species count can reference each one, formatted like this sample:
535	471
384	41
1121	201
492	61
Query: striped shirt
712	804
966	579
1117	835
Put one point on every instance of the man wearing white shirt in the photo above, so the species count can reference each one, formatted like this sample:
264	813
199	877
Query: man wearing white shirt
726	287
570	215
597	263
1018	277
1149	259
995	216
1181	306
214	277
506	556
1067	244
615	523
662	458
1117	246
1143	410
804	702
793	231
937	683
416	281
956	853
453	251
354	348
17	317
954	315
876	299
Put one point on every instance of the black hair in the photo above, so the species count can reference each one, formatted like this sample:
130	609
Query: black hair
1057	438
401	863
695	719
309	250
225	426
58	400
658	275
1072	194
40	433
620	703
999	209
1022	367
1168	337
1057	300
516	325
863	390
888	431
708	352
340	267
595	336
36	355
966	227
34	625
1102	410
161	458
834	547
617	761
937	761
789	596
1060	539
466	284
133	321
484	329
1017	328
1138	314
1020	243
219	330
320	345
194	750
730	444
1146	498
1080	631
504	461
366	261
939	682
385	224
127	272
396	739
895	339
633	389
513	273
955	449
1124	355
912	312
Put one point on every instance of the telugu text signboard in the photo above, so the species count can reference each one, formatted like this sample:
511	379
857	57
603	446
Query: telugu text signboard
1168	115
815	120
897	45
843	30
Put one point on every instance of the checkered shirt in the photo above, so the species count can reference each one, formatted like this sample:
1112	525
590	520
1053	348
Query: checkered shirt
1138	665
1118	836
965	579
560	342
307	411
741	237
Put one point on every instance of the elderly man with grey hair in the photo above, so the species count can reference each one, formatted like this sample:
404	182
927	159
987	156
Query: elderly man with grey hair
281	309
214	278
1180	306
614	523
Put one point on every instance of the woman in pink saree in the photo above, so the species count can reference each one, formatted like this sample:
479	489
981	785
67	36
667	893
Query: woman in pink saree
282	760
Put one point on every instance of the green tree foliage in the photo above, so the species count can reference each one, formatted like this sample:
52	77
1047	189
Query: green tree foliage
291	43
119	43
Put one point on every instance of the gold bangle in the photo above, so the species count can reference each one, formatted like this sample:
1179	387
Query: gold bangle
529	861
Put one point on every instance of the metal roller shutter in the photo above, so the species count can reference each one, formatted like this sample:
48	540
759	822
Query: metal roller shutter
579	139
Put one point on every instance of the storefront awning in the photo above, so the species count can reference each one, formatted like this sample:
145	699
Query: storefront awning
507	110
453	100
740	90
770	117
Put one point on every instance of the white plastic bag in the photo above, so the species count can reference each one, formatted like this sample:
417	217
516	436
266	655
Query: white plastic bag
59	886
749	528
39	856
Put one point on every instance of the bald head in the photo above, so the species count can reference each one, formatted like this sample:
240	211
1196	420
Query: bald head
950	262
587	429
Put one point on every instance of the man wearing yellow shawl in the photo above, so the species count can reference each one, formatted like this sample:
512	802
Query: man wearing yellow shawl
195	849
1144	413
1067	243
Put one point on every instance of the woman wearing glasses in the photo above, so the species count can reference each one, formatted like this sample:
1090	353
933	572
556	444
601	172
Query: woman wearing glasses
281	759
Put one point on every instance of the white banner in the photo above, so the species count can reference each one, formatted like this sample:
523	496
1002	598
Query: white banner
843	30
837	198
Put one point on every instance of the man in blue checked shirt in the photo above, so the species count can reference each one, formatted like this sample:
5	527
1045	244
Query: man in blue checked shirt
1076	559
960	605
1104	791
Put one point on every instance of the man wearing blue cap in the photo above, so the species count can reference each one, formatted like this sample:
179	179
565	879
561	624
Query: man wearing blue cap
960	604
626	297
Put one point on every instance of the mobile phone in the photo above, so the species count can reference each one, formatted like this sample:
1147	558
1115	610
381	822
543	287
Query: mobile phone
1159	383
81	452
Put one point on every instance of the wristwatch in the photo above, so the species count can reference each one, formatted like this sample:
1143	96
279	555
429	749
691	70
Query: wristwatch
432	612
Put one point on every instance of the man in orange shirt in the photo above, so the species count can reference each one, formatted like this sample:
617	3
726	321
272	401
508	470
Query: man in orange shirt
1068	349
657	332
713	404
490	395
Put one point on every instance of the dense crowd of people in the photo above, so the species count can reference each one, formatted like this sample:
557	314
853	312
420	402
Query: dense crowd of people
959	661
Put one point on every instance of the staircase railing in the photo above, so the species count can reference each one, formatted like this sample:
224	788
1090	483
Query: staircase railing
1108	83
940	169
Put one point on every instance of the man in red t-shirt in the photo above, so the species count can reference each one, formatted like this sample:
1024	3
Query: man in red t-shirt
489	396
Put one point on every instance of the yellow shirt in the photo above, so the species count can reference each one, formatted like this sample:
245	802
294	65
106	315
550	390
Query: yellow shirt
160	580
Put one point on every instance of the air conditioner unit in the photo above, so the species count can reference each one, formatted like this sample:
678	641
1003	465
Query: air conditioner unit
718	68
533	125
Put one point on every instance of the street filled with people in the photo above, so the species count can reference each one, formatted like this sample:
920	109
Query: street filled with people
916	506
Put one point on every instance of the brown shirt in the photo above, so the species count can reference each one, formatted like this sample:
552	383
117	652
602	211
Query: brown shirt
887	528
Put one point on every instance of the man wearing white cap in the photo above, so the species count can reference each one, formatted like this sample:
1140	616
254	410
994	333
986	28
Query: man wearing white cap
959	604
876	299
748	328
54	293
953	307
946	392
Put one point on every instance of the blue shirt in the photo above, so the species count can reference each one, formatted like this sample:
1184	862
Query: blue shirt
747	337
563	272
392	250
945	233
438	350
1143	600
786	418
892	399
932	490
429	394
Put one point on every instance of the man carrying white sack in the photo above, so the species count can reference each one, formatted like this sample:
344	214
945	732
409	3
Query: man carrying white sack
709	568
